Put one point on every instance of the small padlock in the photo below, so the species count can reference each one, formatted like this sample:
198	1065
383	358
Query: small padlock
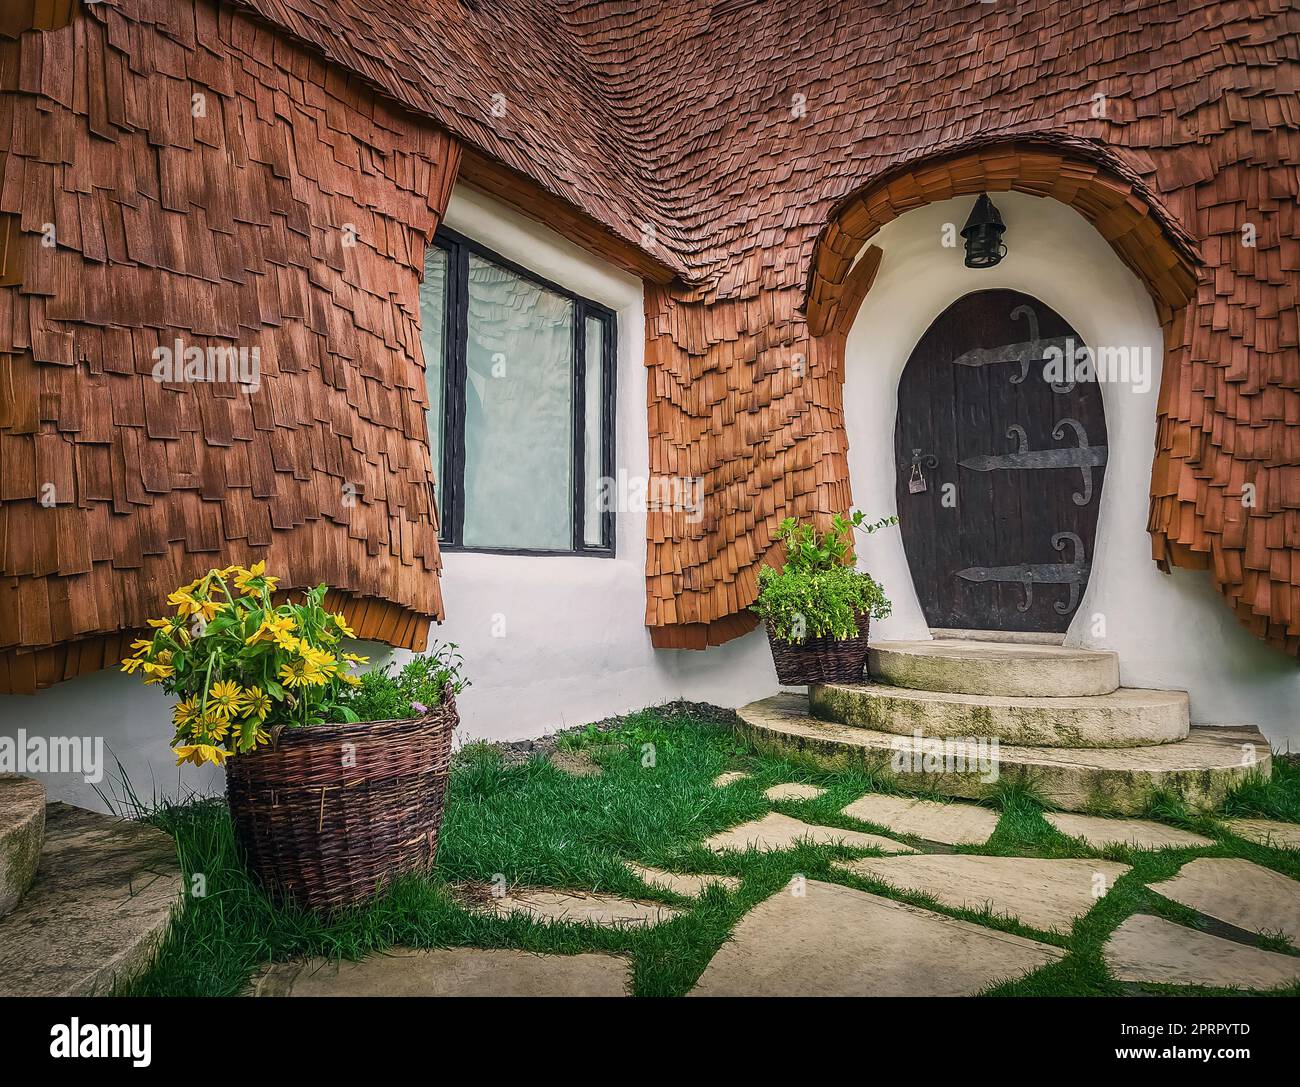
916	484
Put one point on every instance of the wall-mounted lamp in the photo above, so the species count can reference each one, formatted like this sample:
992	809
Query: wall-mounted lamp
983	233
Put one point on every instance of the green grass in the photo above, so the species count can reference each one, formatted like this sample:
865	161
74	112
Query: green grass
531	824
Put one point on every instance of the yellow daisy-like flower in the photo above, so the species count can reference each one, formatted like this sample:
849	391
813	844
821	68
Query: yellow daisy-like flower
318	658
140	645
294	674
356	659
185	712
161	624
226	699
198	754
160	668
255	578
342	624
349	679
214	728
257	703
184	602
130	664
273	628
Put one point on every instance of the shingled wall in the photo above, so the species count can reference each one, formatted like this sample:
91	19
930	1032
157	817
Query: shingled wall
206	179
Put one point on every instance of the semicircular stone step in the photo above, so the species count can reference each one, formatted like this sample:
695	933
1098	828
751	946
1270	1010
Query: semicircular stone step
1200	769
22	830
1126	717
958	666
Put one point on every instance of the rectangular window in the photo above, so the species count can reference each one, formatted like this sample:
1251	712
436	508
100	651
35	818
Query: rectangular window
520	376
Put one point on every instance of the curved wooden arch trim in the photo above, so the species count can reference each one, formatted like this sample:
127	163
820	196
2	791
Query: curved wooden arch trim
1120	209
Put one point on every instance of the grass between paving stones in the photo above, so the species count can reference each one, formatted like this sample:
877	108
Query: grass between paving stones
530	824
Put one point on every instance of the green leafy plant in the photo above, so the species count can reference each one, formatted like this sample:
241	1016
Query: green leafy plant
818	593
387	695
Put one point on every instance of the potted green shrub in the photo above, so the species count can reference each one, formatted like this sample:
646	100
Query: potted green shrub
335	777
818	607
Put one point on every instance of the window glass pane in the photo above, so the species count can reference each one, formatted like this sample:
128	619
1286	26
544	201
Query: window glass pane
518	413
433	322
593	534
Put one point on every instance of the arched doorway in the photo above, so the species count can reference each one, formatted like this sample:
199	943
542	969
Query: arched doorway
1000	461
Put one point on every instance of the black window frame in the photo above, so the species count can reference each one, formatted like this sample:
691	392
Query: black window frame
451	489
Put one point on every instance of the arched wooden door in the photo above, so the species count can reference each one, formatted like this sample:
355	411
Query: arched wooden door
999	467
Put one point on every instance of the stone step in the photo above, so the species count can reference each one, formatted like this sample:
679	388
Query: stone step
22	829
100	905
1020	637
958	666
1200	768
1124	718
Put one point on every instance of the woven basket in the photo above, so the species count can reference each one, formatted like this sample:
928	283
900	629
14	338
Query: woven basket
328	815
821	660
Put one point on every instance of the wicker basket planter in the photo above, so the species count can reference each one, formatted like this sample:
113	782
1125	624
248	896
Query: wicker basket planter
327	815
821	660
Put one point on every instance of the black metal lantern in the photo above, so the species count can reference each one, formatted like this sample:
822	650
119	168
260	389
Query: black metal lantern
983	233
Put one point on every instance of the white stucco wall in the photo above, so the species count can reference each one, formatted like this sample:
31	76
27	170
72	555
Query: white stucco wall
549	641
1171	631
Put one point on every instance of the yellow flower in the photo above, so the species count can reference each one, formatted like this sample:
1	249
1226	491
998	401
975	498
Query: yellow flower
140	645
161	624
258	703
130	664
294	674
160	668
198	754
355	659
255	578
349	679
342	624
214	728
274	628
185	712
226	699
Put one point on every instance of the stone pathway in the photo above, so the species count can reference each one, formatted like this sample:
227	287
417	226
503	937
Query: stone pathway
1045	894
456	971
571	907
775	831
1266	832
1151	949
727	777
1241	893
953	824
1099	832
830	940
794	790
681	883
816	938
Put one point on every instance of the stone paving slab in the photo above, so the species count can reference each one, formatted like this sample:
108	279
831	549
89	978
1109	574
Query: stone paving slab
1046	894
1151	949
454	971
953	824
682	883
575	908
1269	832
1239	892
776	831
794	790
835	941
101	903
727	777
1100	832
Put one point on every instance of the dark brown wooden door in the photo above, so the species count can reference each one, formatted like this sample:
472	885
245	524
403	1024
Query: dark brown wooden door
999	468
